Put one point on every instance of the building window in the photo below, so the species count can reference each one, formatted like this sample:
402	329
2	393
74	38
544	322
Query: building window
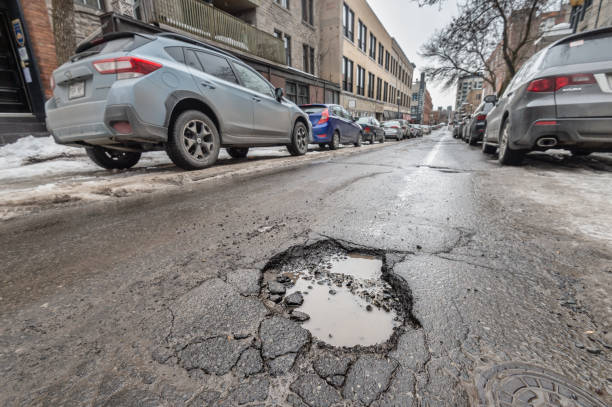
372	46
287	41
291	91
378	88
347	74
387	57
97	4
308	58
303	95
386	92
332	96
283	3
362	36
307	14
360	81
370	85
348	22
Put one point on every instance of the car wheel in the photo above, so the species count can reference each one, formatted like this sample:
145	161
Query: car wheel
508	156
335	141
299	140
237	152
112	159
358	142
194	142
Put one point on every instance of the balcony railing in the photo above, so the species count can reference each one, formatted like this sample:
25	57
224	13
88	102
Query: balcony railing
209	23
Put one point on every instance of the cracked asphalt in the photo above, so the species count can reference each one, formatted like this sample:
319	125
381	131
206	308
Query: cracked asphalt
159	299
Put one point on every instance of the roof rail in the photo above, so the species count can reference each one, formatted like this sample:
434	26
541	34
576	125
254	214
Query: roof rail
190	40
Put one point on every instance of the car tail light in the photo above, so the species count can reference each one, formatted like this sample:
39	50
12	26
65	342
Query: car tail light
481	117
555	83
324	117
542	85
126	67
394	127
367	129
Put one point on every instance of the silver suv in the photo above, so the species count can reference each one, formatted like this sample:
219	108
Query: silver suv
561	97
128	93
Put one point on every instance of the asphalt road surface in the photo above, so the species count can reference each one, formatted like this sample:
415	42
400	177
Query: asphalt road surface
500	277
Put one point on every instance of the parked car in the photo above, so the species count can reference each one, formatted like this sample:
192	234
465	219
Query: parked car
128	93
393	129
405	128
477	124
465	127
332	125
372	130
414	130
560	98
419	130
426	129
458	129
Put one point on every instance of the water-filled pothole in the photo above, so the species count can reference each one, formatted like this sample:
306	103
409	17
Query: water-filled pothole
344	295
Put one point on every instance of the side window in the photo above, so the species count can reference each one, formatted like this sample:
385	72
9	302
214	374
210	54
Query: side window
217	66
346	114
176	53
251	80
192	61
336	111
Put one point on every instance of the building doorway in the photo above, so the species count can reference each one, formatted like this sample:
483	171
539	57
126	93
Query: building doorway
13	94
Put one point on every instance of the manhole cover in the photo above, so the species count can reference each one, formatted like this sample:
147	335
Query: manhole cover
517	384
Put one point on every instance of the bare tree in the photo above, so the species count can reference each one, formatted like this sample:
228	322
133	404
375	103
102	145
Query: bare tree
483	27
63	29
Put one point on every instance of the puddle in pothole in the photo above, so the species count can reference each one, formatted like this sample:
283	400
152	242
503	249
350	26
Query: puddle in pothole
344	295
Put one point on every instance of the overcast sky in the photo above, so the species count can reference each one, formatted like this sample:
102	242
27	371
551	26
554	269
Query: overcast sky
411	26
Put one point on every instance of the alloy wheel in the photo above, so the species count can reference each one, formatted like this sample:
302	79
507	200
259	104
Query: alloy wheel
301	139
503	143
198	140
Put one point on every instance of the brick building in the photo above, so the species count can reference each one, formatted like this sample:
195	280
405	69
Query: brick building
358	52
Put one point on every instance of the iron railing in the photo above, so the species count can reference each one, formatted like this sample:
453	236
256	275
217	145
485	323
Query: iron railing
209	23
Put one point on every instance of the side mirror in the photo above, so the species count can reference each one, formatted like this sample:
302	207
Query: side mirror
278	92
491	99
355	118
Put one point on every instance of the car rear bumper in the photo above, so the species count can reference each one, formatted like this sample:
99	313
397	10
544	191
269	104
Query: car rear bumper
593	134
91	123
321	133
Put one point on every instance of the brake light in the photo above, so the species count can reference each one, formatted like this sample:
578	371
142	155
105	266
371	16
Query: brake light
481	117
367	129
324	117
395	127
541	85
126	67
555	83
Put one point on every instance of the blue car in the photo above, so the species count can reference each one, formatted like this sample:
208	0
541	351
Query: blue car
332	125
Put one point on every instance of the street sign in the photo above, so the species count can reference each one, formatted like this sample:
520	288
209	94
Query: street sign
352	104
18	30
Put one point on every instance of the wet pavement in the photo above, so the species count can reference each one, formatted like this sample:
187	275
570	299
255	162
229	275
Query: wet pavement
497	282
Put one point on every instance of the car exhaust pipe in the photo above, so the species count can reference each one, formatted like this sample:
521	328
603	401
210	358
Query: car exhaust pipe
547	142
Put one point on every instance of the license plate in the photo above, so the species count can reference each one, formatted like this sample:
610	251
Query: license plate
77	90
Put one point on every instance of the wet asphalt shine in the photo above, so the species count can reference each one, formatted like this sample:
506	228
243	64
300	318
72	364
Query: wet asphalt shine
393	277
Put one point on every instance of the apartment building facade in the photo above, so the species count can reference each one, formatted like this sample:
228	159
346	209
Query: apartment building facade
464	85
359	53
591	14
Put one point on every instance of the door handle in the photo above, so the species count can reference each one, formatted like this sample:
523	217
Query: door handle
207	84
256	99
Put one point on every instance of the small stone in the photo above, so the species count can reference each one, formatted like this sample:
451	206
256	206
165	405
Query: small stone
368	308
579	345
419	247
332	292
276	288
300	316
594	351
294	300
276	298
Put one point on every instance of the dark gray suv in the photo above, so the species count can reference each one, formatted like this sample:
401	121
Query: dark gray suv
560	98
128	93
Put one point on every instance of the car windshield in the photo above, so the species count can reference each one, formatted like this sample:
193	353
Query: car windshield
313	109
580	51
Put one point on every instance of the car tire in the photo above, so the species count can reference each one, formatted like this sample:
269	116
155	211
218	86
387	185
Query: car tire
335	143
508	156
358	142
112	159
194	141
299	140
237	152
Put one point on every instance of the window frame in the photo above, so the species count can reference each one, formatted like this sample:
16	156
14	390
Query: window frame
362	36
373	46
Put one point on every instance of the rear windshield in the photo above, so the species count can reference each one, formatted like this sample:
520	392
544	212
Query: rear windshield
597	48
313	109
125	44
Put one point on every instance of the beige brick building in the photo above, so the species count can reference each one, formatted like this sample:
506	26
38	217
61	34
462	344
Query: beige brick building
358	52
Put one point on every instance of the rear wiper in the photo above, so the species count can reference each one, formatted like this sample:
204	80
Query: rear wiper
83	54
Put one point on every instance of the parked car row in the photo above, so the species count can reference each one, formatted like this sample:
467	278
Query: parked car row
560	98
128	93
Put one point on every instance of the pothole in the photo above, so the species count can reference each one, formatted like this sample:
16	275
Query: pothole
343	297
